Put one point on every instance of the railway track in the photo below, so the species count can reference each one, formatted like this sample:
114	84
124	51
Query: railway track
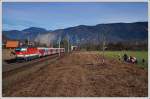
12	68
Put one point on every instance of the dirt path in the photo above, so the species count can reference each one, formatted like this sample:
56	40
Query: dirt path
82	74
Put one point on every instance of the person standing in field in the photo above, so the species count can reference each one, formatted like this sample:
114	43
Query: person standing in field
119	56
143	60
125	57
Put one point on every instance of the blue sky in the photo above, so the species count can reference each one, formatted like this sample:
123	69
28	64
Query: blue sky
54	15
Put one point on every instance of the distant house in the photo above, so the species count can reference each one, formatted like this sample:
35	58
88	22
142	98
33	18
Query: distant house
12	44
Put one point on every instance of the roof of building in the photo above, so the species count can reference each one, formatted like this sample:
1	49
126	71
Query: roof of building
12	44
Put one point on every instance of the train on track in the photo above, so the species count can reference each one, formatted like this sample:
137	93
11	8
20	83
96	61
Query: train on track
29	53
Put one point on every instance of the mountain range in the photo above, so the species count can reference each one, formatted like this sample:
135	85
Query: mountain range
113	32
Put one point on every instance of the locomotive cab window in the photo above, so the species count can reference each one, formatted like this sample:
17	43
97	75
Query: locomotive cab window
20	49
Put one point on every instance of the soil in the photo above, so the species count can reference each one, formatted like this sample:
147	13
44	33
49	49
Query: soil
83	74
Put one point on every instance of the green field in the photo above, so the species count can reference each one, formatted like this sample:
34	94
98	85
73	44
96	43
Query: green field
138	54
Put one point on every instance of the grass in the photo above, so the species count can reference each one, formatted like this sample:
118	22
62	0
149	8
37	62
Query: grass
138	54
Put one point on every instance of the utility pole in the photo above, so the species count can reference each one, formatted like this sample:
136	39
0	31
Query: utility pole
39	40
68	47
77	42
103	37
68	43
28	40
59	46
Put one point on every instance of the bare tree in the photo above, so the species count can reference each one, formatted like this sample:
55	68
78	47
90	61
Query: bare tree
103	44
68	38
77	41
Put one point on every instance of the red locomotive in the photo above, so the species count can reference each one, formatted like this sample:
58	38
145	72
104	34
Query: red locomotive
37	52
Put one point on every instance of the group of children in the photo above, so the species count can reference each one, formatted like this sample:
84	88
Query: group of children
130	59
